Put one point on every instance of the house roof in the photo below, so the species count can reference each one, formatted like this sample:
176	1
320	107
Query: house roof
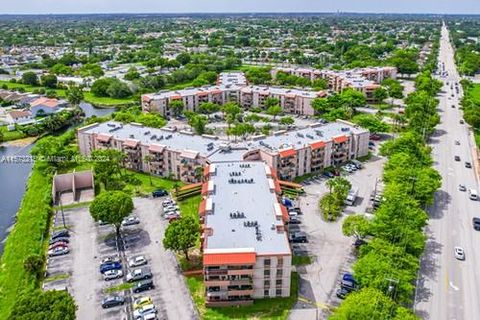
15	114
210	259
45	102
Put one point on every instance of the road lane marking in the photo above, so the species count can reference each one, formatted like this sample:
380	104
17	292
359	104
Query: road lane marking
453	286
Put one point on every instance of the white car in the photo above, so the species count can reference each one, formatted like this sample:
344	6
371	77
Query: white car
130	221
459	253
143	311
58	251
167	203
112	274
170	208
137	261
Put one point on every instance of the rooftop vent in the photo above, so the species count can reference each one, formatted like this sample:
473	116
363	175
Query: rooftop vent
132	136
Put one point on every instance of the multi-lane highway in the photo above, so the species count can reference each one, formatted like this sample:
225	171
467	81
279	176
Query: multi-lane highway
449	288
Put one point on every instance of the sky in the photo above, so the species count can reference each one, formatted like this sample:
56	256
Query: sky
186	6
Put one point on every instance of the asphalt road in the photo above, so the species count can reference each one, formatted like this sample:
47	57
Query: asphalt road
449	288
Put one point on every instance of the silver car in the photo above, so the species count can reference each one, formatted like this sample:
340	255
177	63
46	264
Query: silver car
112	274
137	261
459	253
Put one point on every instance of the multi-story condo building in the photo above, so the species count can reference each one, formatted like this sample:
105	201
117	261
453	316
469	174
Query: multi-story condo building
246	253
291	100
179	154
365	80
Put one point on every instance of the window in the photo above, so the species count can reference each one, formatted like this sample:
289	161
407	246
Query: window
279	273
280	262
278	282
266	293
266	283
266	273
278	292
267	262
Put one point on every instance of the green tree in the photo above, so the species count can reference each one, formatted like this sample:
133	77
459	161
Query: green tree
111	207
329	206
183	58
371	122
274	111
39	304
356	225
366	304
208	108
198	123
132	74
33	264
107	165
380	94
74	96
49	81
30	78
182	235
286	121
177	107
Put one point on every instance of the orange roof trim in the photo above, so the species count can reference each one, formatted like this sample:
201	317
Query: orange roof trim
212	259
287	153
340	139
317	145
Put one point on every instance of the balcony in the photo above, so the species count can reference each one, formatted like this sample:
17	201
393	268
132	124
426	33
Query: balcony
216	272
240	272
216	283
247	292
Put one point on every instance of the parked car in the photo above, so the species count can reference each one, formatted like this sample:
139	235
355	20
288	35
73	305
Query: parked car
459	253
348	285
374	137
294	220
60	234
462	187
328	174
139	274
298	237
359	242
148	309
342	293
104	267
112	301
299	250
62	239
130	221
142	301
149	316
58	251
168	202
110	259
57	244
457	158
112	274
159	193
143	286
137	261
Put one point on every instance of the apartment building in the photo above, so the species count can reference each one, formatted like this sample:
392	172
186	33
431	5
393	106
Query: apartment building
246	253
291	100
365	80
180	155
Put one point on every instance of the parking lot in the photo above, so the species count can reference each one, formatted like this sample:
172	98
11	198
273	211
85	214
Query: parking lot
332	252
91	242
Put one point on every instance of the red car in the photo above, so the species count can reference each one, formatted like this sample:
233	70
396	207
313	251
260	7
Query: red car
58	244
374	137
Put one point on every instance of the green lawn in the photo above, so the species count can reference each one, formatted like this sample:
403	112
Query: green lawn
477	138
29	88
301	260
475	93
25	239
189	207
271	309
11	135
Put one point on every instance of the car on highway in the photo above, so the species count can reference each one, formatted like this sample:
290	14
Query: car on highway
159	193
143	285
58	251
468	165
459	253
141	312
137	261
112	274
112	301
139	274
461	121
462	187
457	158
130	221
142	301
457	142
476	223
453	106
472	194
104	267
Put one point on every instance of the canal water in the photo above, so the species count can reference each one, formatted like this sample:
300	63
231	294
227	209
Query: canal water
14	176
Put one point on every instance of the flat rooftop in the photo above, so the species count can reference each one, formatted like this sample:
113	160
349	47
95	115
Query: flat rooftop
282	91
164	137
255	202
236	78
298	139
194	91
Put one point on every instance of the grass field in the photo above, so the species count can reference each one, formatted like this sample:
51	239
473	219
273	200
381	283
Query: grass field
25	239
268	309
88	97
11	135
475	93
